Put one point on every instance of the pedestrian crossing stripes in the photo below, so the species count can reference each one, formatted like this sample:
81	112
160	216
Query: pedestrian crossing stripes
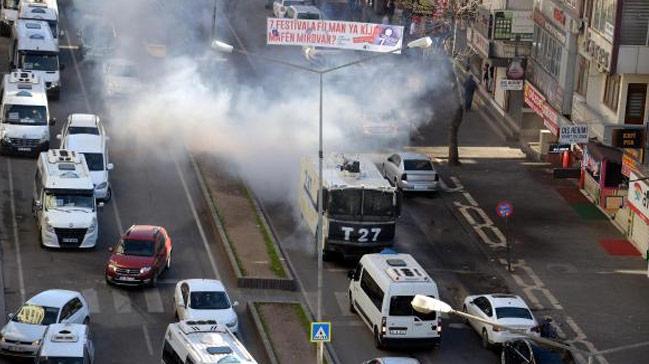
116	300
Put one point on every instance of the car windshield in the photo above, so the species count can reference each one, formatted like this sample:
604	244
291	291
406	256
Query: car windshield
401	306
58	200
361	202
209	300
95	161
417	165
293	2
121	70
25	114
40	62
36	315
59	360
513	312
83	130
140	248
11	4
312	16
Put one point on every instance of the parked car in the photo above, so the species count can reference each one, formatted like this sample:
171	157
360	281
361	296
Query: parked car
524	351
205	299
411	172
23	333
140	256
392	360
505	309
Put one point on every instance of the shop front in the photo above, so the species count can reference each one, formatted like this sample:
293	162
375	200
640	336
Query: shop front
602	178
638	203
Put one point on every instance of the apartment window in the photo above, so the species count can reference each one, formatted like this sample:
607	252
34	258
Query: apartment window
581	83
612	91
603	17
547	52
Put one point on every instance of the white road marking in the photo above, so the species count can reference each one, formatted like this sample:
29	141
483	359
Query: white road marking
69	46
147	340
343	303
121	301
14	228
90	295
153	300
195	214
118	220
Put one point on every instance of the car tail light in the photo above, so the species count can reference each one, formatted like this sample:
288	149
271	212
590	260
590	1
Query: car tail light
404	177
383	322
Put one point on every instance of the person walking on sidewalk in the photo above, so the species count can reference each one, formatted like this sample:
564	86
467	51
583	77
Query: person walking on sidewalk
469	89
389	10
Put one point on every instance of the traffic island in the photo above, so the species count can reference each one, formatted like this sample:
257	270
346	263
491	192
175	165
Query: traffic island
251	248
280	325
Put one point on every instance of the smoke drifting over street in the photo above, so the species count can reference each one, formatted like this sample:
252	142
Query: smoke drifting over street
264	118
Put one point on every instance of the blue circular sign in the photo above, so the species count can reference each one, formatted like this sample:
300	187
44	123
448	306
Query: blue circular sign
504	209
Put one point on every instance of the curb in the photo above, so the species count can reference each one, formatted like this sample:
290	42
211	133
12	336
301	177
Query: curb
287	284
264	335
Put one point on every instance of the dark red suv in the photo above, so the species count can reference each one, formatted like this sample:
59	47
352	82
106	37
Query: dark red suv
140	256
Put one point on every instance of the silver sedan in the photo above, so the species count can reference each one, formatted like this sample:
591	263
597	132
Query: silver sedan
411	172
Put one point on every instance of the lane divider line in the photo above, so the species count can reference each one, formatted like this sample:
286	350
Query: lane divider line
14	228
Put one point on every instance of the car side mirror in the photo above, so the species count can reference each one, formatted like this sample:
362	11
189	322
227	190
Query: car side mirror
350	274
38	205
100	204
59	136
110	249
235	303
10	315
52	121
62	33
110	166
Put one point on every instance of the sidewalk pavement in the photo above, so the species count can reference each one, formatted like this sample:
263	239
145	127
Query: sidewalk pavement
570	262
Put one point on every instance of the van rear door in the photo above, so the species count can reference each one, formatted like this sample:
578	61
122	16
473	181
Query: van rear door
404	322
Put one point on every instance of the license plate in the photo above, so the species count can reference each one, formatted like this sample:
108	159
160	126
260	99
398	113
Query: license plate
17	349
70	240
420	187
126	279
23	149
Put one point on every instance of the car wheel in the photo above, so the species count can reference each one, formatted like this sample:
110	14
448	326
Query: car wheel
86	321
154	281
377	339
466	320
485	339
109	194
352	309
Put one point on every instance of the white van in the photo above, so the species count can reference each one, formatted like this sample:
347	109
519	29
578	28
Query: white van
380	291
40	11
202	342
85	134
64	200
24	114
33	48
66	343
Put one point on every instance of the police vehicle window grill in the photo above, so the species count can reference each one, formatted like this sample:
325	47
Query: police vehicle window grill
36	36
33	26
396	262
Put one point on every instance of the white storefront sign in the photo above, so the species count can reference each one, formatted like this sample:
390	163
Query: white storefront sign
638	197
511	85
573	134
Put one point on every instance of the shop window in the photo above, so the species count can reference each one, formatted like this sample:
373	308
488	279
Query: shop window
636	98
581	83
547	52
603	17
614	176
612	91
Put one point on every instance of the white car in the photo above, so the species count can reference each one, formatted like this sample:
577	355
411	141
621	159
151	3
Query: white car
205	299
84	133
121	78
23	334
281	6
411	172
505	309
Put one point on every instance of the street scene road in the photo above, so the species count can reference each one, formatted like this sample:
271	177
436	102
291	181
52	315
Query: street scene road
187	113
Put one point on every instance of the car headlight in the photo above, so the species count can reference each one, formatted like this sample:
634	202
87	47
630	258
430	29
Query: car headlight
48	227
232	323
102	185
93	225
36	342
112	267
145	270
5	138
45	136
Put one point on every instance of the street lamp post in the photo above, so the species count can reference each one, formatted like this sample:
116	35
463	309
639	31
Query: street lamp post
424	42
427	304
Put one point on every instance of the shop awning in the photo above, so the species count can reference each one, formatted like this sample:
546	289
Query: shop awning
600	151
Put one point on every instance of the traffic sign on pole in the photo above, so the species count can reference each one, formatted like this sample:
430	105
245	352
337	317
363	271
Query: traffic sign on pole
504	209
320	332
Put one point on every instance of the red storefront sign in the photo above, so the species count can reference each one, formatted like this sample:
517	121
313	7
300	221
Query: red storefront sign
536	101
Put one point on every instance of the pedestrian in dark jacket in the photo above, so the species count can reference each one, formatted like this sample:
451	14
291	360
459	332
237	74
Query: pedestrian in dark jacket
389	10
469	89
